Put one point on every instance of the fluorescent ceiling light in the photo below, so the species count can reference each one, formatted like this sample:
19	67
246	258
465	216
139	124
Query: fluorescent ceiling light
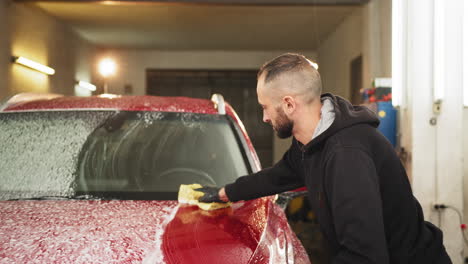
34	65
87	85
465	53
439	50
397	52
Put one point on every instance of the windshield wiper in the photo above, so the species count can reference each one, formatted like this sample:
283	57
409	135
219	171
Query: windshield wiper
57	197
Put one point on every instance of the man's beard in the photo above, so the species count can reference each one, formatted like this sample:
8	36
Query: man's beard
283	125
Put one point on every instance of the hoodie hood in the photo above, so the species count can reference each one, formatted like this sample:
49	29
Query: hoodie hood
346	115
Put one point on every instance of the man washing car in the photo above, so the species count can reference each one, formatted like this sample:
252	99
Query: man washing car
356	184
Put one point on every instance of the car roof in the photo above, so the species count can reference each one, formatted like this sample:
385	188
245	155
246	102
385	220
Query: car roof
44	102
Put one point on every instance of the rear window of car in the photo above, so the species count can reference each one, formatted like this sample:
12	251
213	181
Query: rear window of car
116	154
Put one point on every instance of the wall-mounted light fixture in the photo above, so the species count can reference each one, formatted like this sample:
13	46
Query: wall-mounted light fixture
86	85
398	39
465	53
439	51
33	65
107	67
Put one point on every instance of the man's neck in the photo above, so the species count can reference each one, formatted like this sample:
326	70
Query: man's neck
306	123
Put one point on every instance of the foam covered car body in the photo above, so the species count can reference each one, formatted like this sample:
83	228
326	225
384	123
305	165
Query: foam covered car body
95	180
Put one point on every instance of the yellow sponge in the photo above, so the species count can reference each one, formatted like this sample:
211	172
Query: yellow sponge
213	206
188	195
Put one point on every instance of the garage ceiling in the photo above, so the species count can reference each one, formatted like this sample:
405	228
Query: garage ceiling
172	26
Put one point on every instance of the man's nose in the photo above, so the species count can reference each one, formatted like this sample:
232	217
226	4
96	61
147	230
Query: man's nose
266	119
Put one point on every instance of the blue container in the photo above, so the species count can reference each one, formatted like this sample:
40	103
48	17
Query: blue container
387	115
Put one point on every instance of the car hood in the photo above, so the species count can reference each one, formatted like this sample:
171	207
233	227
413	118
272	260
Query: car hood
229	235
81	231
128	232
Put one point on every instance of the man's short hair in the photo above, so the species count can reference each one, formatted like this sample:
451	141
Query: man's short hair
293	62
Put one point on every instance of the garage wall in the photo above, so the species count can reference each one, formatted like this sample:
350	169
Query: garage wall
4	50
132	64
42	38
377	40
84	55
465	166
337	51
436	149
366	32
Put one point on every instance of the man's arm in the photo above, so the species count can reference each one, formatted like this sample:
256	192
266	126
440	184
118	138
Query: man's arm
352	188
277	179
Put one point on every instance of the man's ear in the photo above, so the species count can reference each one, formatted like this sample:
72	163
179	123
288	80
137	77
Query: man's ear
289	104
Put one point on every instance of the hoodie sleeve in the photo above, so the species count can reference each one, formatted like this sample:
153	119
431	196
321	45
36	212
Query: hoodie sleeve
277	179
352	188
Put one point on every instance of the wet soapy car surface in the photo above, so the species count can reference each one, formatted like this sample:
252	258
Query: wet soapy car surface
98	184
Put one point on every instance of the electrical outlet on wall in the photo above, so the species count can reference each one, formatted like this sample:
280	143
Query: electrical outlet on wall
437	106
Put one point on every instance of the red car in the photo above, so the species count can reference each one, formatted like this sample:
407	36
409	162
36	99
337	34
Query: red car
95	180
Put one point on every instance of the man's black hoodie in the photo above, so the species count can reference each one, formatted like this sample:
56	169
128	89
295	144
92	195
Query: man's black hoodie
358	189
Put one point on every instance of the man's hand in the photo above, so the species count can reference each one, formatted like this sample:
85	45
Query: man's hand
222	195
212	195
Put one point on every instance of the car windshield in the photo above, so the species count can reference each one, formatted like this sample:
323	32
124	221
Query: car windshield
116	154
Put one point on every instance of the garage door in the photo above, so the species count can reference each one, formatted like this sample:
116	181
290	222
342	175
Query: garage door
238	88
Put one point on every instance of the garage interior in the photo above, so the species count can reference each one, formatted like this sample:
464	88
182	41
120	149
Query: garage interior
197	48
